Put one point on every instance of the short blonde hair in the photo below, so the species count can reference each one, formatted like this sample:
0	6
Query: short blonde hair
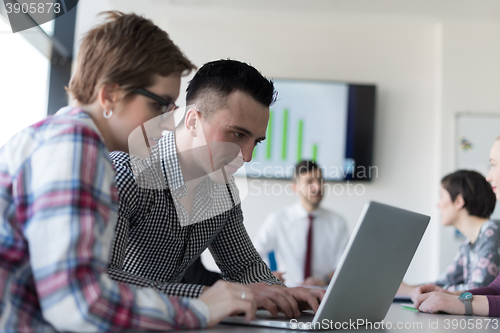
127	50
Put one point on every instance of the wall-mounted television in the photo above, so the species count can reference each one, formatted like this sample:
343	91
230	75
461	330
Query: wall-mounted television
329	122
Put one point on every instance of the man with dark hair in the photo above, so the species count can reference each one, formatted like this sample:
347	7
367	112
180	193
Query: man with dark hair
215	81
181	197
307	240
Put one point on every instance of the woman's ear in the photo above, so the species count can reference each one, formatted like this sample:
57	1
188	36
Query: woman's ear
459	202
107	96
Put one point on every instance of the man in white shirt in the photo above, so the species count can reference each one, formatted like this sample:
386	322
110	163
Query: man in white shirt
307	240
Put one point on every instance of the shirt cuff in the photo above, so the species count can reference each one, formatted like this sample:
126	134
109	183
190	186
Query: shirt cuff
202	308
272	282
493	305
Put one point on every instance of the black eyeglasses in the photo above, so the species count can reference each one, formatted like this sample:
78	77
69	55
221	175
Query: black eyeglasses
165	106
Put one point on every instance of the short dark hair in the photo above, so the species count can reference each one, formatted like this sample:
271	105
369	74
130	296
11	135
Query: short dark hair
305	166
479	198
223	77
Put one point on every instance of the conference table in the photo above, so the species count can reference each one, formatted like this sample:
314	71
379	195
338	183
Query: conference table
396	320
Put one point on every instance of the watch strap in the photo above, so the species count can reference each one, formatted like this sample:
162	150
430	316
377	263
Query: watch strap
468	307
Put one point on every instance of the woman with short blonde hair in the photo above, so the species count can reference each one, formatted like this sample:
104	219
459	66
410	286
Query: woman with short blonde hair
59	203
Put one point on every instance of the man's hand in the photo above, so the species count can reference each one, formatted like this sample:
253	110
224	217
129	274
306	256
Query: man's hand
279	298
279	275
315	281
307	298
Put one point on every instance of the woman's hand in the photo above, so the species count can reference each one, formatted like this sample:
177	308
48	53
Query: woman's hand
436	302
225	299
427	288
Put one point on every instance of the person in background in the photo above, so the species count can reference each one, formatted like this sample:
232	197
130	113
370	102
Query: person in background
484	301
59	202
466	202
307	240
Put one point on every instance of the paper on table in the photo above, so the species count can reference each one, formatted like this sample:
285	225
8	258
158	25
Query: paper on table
408	306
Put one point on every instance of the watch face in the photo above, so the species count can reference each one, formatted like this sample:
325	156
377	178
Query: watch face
466	295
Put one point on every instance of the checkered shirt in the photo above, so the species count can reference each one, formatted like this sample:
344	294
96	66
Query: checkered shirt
154	239
58	213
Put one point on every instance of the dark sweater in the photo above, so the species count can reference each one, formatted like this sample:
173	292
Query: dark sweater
492	292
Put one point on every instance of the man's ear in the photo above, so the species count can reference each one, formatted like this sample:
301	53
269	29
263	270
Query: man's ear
294	185
108	95
191	121
459	202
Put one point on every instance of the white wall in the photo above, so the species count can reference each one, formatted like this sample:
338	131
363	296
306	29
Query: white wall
86	17
470	83
426	70
400	57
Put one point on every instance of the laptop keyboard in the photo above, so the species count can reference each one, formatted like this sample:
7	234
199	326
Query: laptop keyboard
264	314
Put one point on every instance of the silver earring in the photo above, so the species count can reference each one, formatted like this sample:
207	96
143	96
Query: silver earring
106	114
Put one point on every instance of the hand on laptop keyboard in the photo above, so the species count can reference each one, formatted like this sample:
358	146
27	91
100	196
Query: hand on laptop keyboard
279	298
225	299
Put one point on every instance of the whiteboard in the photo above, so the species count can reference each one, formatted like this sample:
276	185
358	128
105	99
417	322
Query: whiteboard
475	136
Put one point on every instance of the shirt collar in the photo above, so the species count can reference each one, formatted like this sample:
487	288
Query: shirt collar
303	213
171	167
172	171
75	113
485	225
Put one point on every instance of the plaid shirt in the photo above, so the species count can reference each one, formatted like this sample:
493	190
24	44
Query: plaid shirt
156	240
58	212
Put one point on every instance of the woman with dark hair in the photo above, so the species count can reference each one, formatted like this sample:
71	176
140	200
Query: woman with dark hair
484	301
466	202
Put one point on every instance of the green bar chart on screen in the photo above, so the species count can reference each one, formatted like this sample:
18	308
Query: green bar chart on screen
269	135
307	121
299	140
285	134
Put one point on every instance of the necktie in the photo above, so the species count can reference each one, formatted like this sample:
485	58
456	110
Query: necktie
307	267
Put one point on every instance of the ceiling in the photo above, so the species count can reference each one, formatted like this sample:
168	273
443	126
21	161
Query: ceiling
435	9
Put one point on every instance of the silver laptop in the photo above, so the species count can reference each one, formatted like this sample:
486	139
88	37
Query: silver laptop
368	275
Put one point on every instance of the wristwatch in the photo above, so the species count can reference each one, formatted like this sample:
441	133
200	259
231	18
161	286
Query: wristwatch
466	298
